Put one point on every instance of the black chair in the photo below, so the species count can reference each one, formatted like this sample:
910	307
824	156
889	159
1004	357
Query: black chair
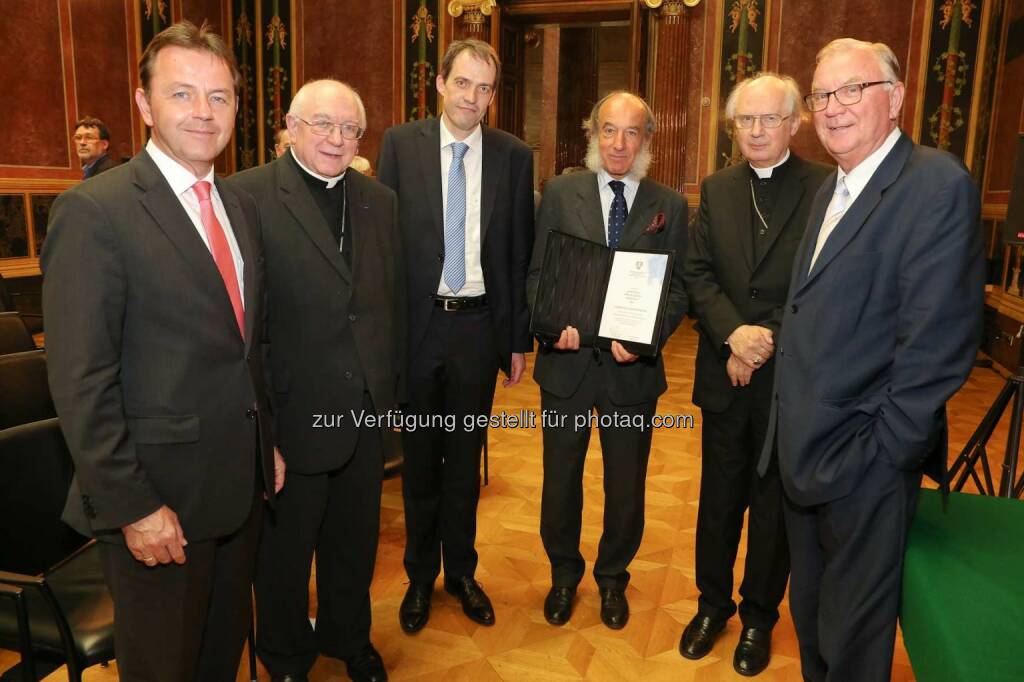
55	608
24	390
14	336
33	321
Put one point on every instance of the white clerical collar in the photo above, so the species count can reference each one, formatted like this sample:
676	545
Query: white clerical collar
767	172
178	177
331	182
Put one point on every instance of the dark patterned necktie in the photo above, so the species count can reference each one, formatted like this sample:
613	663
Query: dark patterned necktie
617	214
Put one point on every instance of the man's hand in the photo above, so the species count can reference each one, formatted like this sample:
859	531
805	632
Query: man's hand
568	340
752	345
739	372
621	355
279	469
157	538
518	365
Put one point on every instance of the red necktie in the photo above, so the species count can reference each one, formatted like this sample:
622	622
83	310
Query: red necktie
221	250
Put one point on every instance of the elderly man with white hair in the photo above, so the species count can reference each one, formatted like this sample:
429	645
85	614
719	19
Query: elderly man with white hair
880	328
335	346
752	217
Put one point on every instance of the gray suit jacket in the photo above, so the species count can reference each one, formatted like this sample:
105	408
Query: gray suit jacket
160	399
572	204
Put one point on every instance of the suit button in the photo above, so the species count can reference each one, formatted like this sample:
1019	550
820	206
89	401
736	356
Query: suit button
251	414
754	293
351	317
793	308
348	374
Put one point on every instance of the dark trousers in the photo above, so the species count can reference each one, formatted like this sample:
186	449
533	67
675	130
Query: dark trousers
181	623
624	452
844	591
451	376
336	515
729	486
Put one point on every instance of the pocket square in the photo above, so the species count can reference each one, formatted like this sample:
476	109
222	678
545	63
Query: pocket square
657	224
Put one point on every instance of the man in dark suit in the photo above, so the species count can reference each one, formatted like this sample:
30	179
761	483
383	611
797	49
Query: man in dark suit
880	329
153	288
336	333
639	214
752	217
92	142
465	194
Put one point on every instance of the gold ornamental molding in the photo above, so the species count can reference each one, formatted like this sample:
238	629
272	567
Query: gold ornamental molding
482	7
671	7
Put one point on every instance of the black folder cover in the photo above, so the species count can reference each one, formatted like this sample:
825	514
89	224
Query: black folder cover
572	288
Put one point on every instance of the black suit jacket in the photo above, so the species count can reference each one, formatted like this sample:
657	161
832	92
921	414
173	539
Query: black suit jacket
882	331
728	286
572	204
160	399
104	163
331	329
410	164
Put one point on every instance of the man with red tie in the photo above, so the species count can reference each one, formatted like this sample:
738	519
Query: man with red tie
153	289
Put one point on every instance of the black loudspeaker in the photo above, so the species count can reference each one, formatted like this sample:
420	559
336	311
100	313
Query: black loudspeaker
1013	229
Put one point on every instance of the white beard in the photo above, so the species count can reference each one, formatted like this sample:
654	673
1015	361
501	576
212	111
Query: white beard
640	164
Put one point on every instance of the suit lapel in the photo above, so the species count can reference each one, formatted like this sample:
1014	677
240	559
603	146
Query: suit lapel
295	196
361	227
589	210
741	208
429	144
169	215
493	167
790	193
242	231
855	217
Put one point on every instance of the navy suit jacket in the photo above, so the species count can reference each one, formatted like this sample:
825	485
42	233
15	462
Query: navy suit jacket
883	330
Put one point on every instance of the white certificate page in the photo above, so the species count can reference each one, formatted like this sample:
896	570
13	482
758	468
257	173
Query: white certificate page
634	294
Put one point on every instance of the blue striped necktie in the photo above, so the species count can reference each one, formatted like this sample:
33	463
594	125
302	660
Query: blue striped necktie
617	214
454	271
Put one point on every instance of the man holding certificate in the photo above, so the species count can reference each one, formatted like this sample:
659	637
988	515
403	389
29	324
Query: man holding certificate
612	205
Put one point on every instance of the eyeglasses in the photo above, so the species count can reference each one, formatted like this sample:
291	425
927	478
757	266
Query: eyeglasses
746	121
349	131
846	95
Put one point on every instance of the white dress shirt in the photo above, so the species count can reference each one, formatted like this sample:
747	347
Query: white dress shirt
473	162
181	180
631	182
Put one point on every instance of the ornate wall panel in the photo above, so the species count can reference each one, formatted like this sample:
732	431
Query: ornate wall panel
32	80
1007	115
741	56
276	38
421	59
103	86
244	39
40	214
154	16
13	226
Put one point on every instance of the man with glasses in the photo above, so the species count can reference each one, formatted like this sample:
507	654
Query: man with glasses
92	140
335	334
880	328
752	216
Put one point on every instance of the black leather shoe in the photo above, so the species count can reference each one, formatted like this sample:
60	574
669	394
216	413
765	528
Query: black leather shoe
614	607
558	605
366	666
475	603
699	636
753	651
414	612
288	677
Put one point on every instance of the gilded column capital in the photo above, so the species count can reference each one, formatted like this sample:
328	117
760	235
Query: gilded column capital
484	7
671	7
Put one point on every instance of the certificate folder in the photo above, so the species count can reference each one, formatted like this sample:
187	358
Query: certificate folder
608	295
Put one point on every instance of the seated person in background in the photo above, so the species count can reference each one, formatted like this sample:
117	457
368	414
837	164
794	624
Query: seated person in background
92	139
282	141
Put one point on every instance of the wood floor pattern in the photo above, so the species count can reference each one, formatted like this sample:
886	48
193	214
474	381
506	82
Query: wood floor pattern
521	646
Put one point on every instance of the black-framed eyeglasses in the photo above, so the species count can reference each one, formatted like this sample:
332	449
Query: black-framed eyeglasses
349	131
847	95
746	121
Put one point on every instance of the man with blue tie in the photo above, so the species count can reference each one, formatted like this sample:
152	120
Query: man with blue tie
880	329
465	194
615	204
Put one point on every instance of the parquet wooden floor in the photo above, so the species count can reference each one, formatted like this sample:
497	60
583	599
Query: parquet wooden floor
521	646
